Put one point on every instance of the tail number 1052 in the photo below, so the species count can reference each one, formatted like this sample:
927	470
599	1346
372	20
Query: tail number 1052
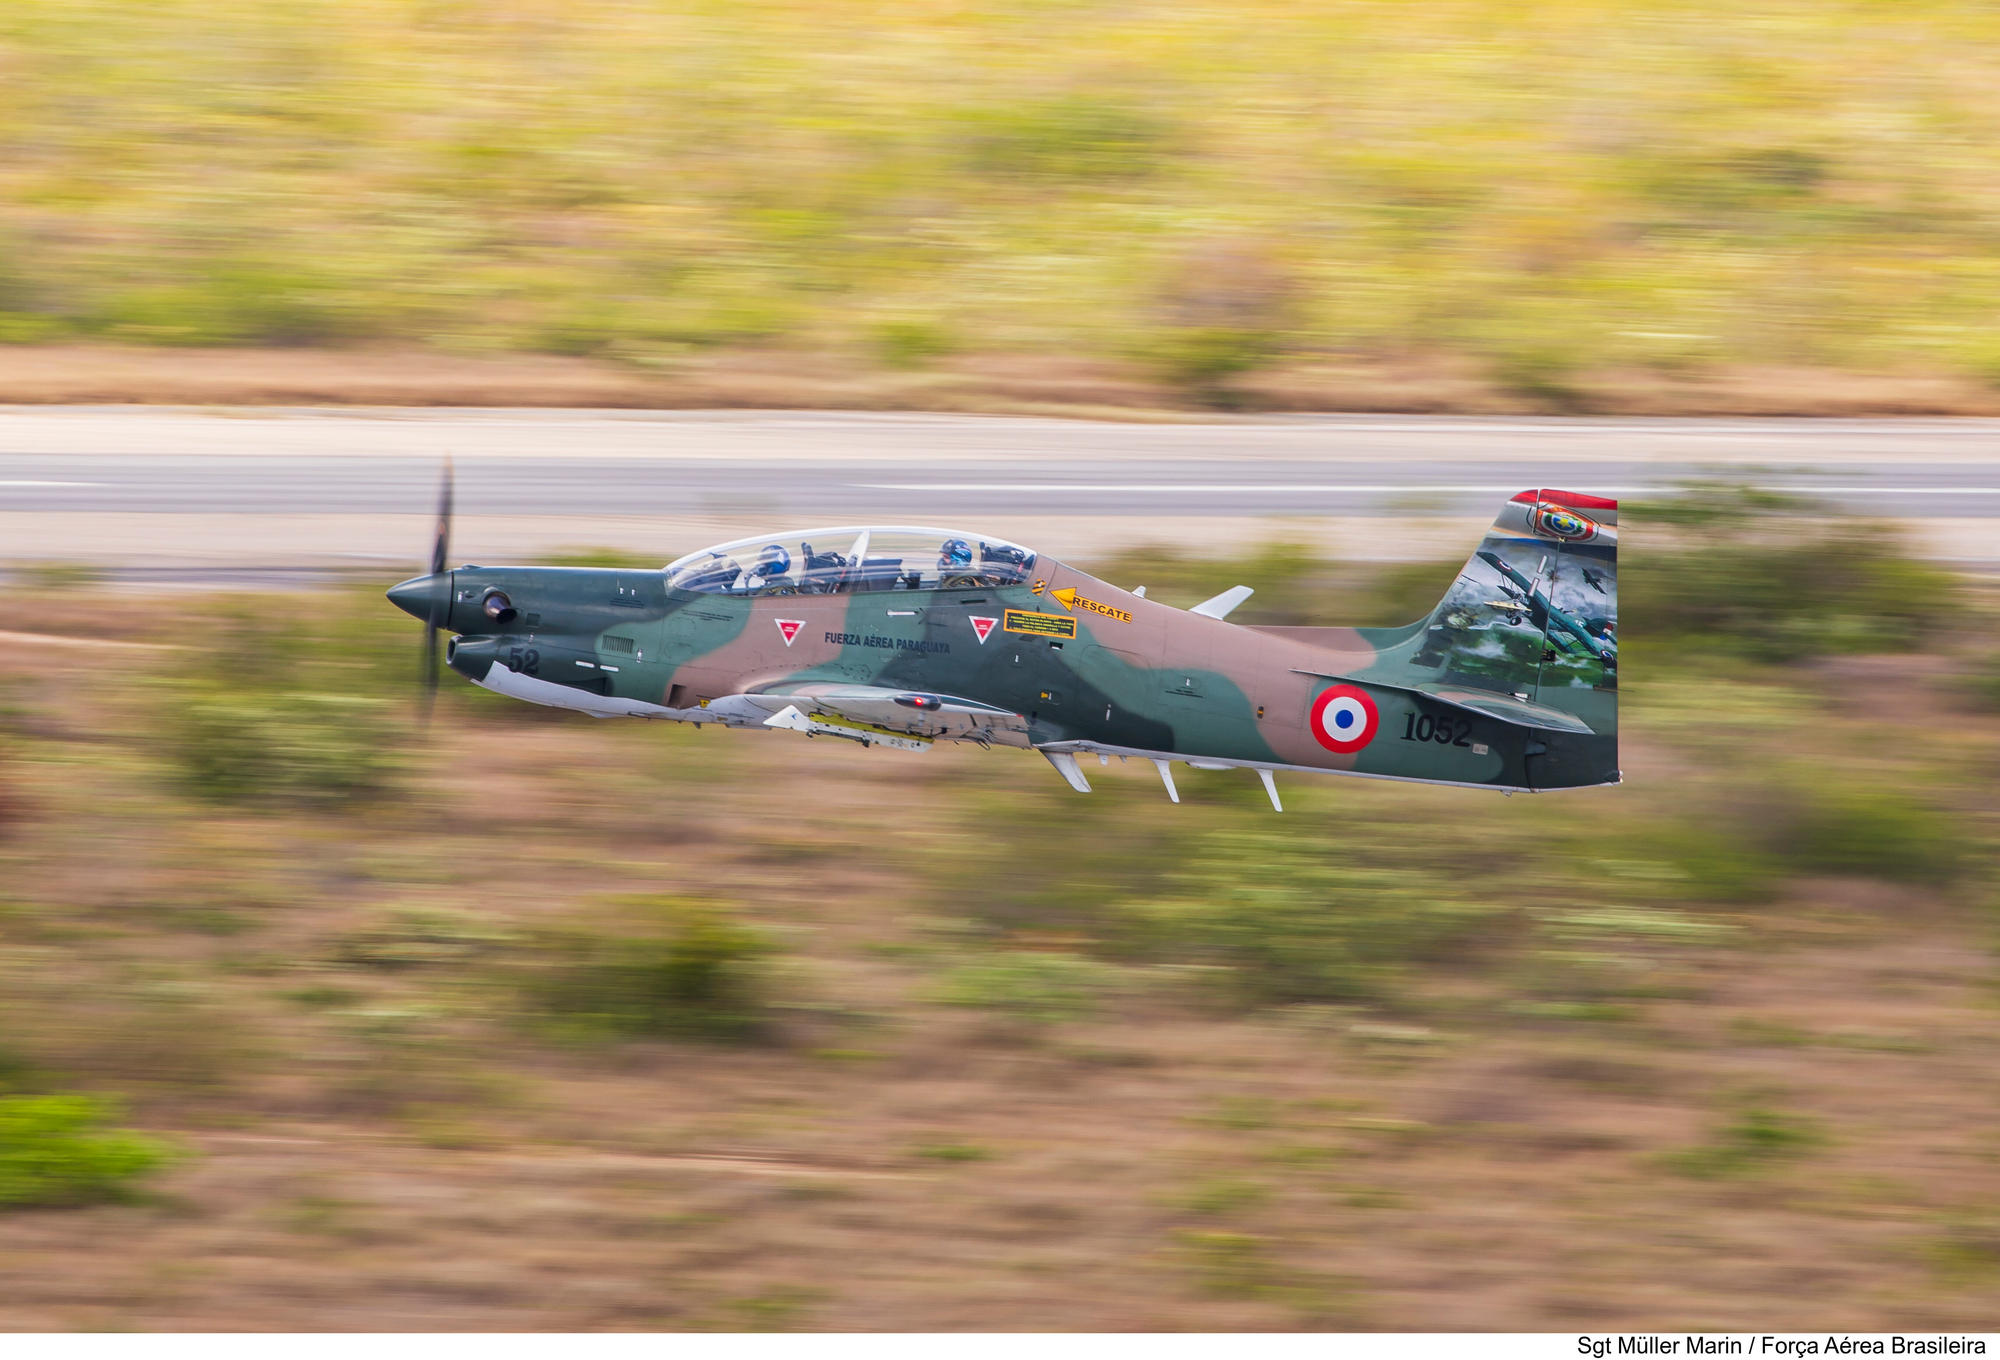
1443	731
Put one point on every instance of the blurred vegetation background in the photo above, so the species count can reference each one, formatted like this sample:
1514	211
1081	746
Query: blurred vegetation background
309	1017
1537	194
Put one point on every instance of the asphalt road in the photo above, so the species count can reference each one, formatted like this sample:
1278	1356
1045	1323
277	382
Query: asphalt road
219	497
838	467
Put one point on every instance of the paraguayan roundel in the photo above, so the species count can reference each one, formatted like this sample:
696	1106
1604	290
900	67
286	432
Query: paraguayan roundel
1344	719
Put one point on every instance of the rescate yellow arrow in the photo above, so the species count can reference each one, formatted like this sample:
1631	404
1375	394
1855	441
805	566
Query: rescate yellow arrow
1069	599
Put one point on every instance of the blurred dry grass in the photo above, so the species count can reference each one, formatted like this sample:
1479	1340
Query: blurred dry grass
1369	203
950	1047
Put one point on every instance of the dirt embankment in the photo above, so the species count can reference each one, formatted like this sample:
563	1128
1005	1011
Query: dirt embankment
86	374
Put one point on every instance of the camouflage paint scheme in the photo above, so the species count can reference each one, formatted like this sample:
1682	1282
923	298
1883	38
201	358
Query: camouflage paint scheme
1510	683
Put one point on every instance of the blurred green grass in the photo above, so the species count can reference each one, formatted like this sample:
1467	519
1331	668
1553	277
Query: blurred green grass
1199	190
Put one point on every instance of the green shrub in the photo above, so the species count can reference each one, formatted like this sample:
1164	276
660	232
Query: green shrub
59	576
682	971
147	1032
414	937
1754	1139
1851	828
1294	586
1969	1247
910	343
281	701
1088	856
780	1309
1202	362
1027	985
1543	370
16	1072
1228	303
55	1150
412	1061
1079	138
1289	923
13	807
1233	1265
601	557
1712	863
307	747
1621	926
1750	576
282	302
1223	1196
1981	690
1398	592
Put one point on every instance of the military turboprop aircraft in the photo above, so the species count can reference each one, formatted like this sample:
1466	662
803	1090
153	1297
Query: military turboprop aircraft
903	637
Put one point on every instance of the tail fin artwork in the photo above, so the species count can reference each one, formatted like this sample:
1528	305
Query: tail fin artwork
1533	615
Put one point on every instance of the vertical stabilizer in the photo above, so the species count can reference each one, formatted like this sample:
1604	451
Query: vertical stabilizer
1534	612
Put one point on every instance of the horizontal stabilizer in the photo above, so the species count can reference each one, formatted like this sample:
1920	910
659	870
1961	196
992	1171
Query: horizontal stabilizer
1505	707
1508	709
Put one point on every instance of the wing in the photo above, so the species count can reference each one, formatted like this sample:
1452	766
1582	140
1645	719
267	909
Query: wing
871	711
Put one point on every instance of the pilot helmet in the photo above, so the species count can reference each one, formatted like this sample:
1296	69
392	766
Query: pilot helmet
955	552
774	561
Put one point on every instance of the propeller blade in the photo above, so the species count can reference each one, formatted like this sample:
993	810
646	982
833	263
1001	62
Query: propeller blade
430	687
441	550
440	602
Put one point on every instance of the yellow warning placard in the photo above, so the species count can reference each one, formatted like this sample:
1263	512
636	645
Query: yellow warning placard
1039	625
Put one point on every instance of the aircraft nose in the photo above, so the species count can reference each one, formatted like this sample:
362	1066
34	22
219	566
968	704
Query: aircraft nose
415	595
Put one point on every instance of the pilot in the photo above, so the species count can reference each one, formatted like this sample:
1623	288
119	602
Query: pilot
772	565
954	554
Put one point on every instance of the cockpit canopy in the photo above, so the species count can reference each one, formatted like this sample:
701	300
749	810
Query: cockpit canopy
850	561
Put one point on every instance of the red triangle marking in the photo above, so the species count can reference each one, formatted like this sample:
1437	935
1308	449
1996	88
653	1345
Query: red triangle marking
790	628
982	627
